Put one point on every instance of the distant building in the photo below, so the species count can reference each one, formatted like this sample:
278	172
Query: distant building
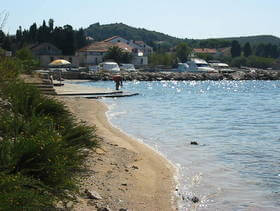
94	53
138	46
212	51
44	49
47	52
147	50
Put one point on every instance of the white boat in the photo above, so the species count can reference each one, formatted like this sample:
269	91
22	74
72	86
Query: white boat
196	65
109	66
222	67
127	67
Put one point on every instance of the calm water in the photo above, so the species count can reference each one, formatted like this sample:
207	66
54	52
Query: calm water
236	165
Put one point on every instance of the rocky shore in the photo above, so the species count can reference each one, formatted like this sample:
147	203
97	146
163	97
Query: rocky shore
186	76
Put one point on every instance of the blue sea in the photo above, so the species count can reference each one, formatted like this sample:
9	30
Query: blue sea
236	165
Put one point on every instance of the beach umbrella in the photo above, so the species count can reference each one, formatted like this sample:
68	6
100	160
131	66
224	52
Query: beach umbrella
59	63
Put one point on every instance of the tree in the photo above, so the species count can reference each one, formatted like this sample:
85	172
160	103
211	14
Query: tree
247	50
260	50
68	40
33	33
7	43
126	57
235	49
183	51
118	55
80	39
51	24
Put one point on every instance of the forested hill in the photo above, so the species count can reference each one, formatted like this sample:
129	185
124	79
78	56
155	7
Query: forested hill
255	40
102	32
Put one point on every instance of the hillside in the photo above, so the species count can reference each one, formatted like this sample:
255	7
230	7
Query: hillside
102	32
255	40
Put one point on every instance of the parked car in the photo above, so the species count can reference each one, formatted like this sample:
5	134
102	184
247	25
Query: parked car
109	66
127	67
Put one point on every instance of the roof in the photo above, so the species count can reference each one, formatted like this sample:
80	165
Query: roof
205	50
103	47
111	38
140	42
37	46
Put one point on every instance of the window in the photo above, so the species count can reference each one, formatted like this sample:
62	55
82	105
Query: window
70	59
51	58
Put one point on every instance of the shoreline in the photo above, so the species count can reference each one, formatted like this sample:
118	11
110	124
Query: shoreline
131	173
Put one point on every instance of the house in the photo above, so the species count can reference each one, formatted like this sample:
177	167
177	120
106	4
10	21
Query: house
94	53
138	46
210	51
44	49
47	52
147	50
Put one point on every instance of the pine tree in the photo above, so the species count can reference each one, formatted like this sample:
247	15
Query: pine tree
235	49
247	49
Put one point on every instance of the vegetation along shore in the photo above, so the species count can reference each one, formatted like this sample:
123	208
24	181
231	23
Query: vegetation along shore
63	154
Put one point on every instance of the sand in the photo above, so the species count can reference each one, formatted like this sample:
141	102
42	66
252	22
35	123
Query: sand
126	173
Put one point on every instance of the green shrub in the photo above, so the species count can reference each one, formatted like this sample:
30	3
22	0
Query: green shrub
9	69
19	192
238	61
80	135
260	62
23	98
41	148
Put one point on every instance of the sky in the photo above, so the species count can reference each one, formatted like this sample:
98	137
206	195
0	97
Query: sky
197	19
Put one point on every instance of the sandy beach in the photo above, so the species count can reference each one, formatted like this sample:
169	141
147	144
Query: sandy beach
125	173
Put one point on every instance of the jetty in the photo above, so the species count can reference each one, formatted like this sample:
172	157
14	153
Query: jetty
89	92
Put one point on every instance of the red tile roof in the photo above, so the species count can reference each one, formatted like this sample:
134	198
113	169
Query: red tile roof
205	50
104	46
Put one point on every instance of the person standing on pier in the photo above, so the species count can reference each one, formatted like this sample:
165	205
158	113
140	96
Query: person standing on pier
118	81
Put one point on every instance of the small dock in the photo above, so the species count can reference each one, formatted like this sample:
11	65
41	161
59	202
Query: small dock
89	92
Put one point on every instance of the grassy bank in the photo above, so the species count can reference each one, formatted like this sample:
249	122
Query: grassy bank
42	147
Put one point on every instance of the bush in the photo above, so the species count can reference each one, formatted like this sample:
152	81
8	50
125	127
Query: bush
23	193
238	61
260	62
9	69
41	147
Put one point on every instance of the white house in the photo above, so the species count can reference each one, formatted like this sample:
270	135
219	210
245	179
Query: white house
94	53
139	47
